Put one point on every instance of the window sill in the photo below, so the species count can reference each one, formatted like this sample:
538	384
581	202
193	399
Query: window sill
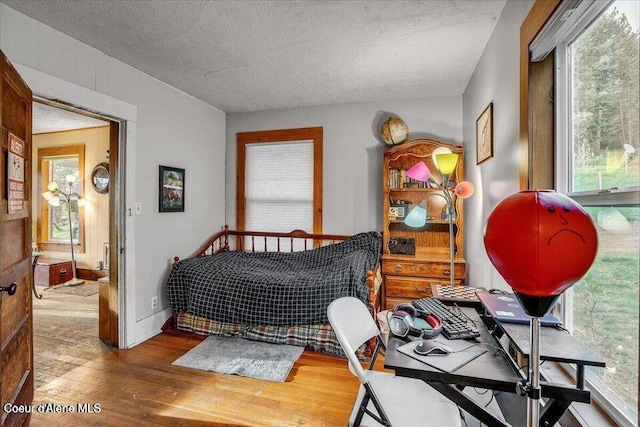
579	414
60	247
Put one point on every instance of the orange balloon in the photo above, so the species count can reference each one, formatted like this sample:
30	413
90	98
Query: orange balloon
541	242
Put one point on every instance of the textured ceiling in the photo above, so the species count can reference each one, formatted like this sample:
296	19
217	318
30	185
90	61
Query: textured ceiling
262	55
51	119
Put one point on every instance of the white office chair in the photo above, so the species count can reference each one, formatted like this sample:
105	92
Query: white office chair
384	398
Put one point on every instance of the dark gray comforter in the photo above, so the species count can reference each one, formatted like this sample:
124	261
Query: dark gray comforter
272	288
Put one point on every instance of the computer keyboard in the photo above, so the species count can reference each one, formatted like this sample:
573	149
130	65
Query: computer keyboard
455	326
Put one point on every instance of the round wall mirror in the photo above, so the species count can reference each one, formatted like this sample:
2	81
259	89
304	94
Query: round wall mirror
100	178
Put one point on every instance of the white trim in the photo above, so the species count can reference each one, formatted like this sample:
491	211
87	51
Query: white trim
55	88
564	176
608	197
569	19
150	326
562	129
127	304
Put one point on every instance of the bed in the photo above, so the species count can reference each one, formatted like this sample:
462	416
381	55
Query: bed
273	287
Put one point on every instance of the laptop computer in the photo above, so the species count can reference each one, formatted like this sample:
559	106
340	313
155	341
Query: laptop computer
506	308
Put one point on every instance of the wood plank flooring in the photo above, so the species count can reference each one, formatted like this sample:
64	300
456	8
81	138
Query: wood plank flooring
65	333
140	387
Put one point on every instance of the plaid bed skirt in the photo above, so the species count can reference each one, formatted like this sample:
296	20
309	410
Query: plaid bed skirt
320	337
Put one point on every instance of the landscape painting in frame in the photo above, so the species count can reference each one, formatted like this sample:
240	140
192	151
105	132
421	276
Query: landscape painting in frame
484	135
171	189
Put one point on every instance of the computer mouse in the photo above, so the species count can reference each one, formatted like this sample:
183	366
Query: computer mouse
432	348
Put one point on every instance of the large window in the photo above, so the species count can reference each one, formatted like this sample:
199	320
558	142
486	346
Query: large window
280	180
54	164
598	164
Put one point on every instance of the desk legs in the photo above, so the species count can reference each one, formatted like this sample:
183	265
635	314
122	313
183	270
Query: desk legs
552	411
514	408
463	401
580	377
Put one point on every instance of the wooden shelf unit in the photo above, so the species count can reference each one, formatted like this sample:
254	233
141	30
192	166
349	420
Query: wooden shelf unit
408	277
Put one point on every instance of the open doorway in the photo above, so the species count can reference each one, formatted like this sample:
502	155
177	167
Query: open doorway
71	163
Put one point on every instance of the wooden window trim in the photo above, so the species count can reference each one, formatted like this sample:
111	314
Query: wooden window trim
43	212
534	171
280	135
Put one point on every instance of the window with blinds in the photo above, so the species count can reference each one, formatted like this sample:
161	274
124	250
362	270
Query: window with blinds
279	186
280	182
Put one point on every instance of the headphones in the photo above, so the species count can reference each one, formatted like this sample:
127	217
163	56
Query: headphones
406	321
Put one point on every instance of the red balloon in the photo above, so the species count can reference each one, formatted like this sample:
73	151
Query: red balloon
541	242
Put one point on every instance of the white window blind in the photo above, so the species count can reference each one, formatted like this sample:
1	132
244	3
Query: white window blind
279	186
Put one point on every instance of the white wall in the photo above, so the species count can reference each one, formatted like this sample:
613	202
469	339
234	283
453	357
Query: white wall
496	79
167	127
352	199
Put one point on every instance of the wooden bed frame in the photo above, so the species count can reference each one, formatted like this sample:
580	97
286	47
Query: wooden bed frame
256	241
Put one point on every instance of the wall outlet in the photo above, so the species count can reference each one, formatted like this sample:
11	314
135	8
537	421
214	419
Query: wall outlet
154	303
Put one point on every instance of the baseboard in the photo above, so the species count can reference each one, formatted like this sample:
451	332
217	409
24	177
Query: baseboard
150	326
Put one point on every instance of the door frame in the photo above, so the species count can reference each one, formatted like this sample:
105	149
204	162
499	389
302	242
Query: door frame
117	140
71	96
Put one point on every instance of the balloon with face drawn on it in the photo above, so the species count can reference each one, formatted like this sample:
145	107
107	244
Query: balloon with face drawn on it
541	242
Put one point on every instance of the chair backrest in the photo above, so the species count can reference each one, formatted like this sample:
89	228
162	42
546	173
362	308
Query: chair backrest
353	325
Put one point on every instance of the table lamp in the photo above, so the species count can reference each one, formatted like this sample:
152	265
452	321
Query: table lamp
445	162
53	196
541	242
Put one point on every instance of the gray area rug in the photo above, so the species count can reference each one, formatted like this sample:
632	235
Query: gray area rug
253	359
87	289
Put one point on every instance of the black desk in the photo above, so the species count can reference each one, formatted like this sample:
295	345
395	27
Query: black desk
495	370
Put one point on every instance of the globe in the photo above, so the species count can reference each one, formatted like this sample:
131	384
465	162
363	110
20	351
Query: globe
394	131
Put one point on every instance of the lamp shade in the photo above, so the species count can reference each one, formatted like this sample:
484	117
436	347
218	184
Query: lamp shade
82	202
419	172
53	186
541	242
447	162
47	195
417	217
71	179
434	155
54	201
464	189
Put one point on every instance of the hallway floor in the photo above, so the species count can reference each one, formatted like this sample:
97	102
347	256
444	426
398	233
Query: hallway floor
65	334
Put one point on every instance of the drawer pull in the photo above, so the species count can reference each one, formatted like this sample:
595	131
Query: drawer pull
398	268
422	290
446	271
63	271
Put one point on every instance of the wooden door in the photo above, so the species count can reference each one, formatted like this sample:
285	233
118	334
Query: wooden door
108	311
16	333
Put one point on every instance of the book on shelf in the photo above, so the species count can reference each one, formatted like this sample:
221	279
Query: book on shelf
398	179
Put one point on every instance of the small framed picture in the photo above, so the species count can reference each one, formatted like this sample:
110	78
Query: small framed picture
484	135
171	189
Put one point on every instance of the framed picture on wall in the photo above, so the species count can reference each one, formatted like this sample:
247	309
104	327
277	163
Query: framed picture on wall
484	135
171	189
